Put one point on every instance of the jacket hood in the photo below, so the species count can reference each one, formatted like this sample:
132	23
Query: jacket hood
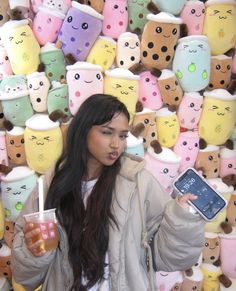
130	166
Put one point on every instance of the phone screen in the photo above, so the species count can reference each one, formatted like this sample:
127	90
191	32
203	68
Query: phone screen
209	202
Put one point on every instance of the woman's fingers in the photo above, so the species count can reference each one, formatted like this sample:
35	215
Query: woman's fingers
183	200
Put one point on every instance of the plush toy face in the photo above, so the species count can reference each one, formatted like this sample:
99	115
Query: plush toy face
79	31
191	285
168	130
149	93
82	83
137	11
126	90
149	121
187	146
22	48
219	24
16	148
209	163
42	148
9	227
17	110
191	63
14	195
176	287
38	85
166	280
5	262
228	163
155	33
5	66
171	91
13	84
211	250
128	50
193	15
190	110
228	255
58	99
220	72
3	149
55	65
3	12
46	25
222	115
115	21
103	52
173	7
231	211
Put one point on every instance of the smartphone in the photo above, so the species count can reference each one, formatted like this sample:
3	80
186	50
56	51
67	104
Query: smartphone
209	203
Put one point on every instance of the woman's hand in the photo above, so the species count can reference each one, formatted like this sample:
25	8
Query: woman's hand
183	200
33	239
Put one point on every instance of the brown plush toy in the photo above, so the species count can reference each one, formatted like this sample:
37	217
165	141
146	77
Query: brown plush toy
211	249
5	261
9	227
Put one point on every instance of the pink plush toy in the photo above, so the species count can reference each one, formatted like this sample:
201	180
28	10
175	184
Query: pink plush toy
83	79
163	163
46	25
5	66
149	93
193	15
190	109
115	14
166	280
187	146
227	162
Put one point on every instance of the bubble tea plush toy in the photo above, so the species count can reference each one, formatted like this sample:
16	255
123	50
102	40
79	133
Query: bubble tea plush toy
163	163
219	106
220	72
170	6
187	146
3	148
58	99
148	118
43	142
190	109
5	66
17	107
80	29
61	6
16	187
159	38
115	14
149	92
5	261
193	15
168	128
103	52
192	282
170	88
13	84
137	12
128	50
227	162
123	84
219	25
46	24
4	17
191	62
54	62
166	280
83	79
134	140
20	9
211	249
22	46
38	85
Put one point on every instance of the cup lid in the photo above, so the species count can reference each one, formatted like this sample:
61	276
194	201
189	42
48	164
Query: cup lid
87	9
41	122
84	66
164	17
121	73
18	173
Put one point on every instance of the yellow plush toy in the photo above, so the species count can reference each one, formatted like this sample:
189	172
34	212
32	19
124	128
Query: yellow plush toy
43	142
219	25
168	128
21	46
123	84
218	116
103	52
211	275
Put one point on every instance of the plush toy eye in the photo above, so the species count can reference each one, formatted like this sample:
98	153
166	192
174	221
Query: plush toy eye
69	19
228	67
6	58
230	166
77	76
147	79
116	6
159	29
126	43
191	104
12	141
235	203
174	31
41	83
137	44
176	83
84	25
167	87
193	11
210	158
218	67
146	121
206	244
22	140
203	10
98	76
196	144
217	243
30	86
184	143
165	171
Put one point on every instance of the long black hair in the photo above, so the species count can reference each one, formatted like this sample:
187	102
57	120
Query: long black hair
87	230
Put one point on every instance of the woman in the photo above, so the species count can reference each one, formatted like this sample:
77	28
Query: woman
111	213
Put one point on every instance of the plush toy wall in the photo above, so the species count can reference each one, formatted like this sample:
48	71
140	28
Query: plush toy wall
171	62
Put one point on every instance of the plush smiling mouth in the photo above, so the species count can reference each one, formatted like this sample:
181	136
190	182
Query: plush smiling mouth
222	114
122	12
123	92
39	143
20	41
35	89
88	81
192	51
76	28
17	146
222	17
223	71
198	15
196	109
132	48
167	36
171	125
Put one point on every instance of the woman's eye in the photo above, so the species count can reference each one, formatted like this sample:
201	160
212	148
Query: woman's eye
123	136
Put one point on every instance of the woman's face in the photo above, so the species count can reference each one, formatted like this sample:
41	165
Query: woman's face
106	142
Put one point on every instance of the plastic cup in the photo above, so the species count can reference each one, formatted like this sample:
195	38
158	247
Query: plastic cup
47	222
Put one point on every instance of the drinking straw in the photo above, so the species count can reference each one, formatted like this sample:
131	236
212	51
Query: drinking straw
41	193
